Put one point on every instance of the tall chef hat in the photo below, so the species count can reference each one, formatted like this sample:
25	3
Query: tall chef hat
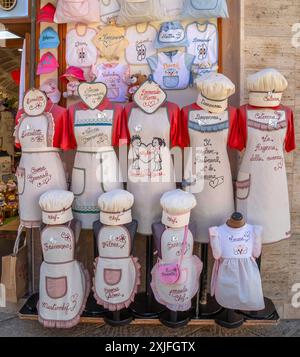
177	207
115	207
56	206
266	88
215	89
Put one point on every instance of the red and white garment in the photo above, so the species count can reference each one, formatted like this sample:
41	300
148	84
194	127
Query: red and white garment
41	138
96	169
261	188
207	171
150	166
64	283
236	281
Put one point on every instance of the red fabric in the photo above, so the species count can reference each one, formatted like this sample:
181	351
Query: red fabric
62	138
46	13
16	75
235	136
119	124
290	142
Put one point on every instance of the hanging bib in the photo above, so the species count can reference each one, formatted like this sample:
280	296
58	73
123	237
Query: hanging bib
85	11
138	11
109	10
205	8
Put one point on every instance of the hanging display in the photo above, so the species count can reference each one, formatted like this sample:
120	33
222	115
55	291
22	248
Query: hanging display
172	9
205	8
49	87
171	34
64	283
207	170
46	13
40	135
117	272
84	11
73	76
138	11
266	128
48	64
49	39
109	11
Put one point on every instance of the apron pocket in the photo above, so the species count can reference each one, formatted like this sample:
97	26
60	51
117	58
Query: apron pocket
204	4
112	276
56	288
243	186
78	181
21	180
171	81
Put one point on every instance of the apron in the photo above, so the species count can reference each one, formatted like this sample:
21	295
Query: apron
96	165
209	161
262	190
64	284
40	168
117	273
178	296
150	166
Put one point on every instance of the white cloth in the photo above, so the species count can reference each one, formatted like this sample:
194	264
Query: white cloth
205	8
84	11
109	10
138	11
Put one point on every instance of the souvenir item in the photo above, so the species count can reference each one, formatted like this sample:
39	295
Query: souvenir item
40	137
109	11
138	11
207	172
84	11
111	42
141	44
236	281
265	129
205	8
203	44
136	80
49	39
49	87
2	208
116	77
175	277
73	76
172	8
117	272
92	94
171	70
96	165
171	34
46	13
80	49
150	167
149	97
64	283
48	64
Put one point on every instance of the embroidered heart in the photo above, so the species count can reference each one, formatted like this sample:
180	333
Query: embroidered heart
216	182
149	97
92	94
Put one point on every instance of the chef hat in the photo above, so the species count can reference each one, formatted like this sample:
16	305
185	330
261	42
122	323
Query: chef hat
56	206
176	207
266	88
115	207
215	89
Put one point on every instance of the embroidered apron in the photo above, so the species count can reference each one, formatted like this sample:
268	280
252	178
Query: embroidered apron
40	168
262	190
178	296
117	272
64	284
208	159
150	166
96	166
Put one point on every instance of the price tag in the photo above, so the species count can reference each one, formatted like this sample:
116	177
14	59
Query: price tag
34	102
149	97
92	94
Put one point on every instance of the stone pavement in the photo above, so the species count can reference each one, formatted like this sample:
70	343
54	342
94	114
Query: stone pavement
12	326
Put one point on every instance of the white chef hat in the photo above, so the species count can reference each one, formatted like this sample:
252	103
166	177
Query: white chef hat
56	206
115	207
266	88
214	91
177	207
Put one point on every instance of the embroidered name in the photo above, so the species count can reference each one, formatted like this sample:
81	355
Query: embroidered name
65	307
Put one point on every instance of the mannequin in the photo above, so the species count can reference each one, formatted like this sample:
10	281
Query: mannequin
236	281
117	272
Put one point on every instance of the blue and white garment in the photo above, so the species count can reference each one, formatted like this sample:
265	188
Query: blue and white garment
171	70
205	8
203	44
171	34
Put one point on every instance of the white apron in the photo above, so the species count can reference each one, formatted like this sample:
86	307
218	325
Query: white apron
262	190
150	166
64	284
178	296
40	168
209	162
96	165
117	272
236	281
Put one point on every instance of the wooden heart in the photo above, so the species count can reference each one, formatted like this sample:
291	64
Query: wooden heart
92	94
149	97
34	102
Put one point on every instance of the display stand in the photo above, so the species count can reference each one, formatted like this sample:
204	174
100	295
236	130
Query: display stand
230	319
175	319
118	318
145	305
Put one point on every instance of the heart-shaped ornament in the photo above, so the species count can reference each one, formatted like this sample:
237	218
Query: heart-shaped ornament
149	97
92	94
34	102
